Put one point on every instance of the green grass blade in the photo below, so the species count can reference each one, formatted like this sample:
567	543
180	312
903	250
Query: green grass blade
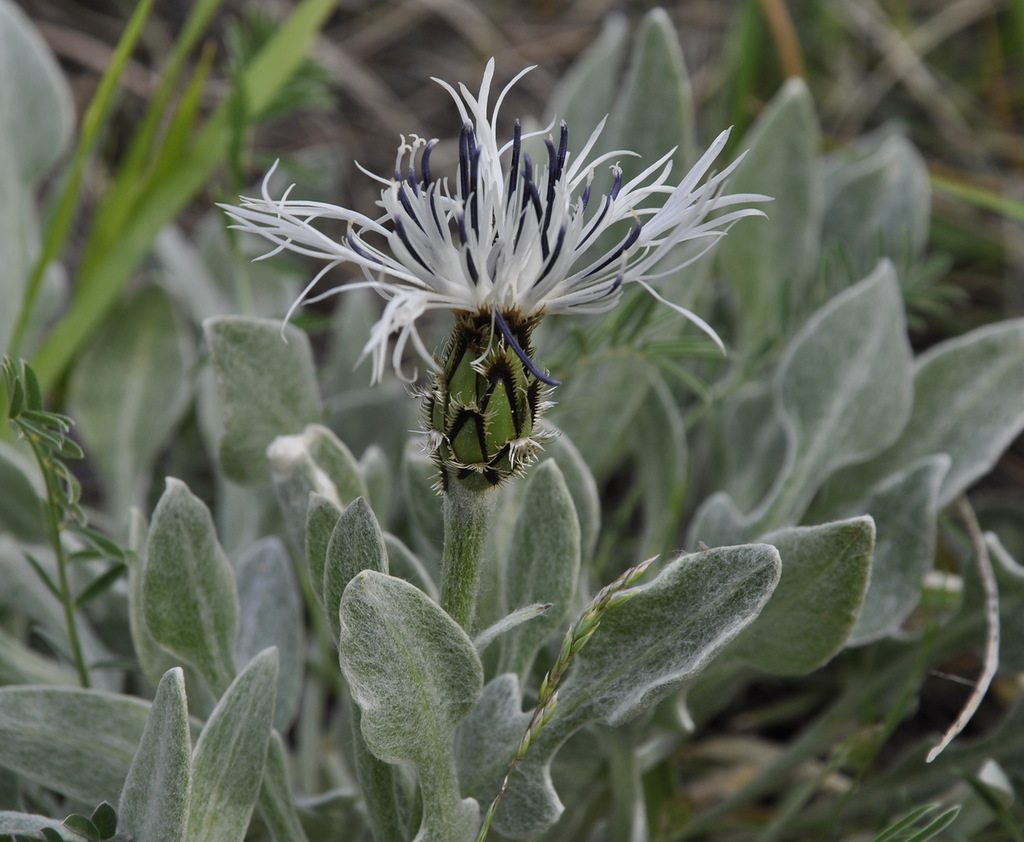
110	260
92	123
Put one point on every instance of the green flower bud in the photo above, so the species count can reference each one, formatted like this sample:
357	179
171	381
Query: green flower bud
482	409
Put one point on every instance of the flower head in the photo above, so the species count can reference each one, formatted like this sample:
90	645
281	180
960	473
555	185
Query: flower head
508	240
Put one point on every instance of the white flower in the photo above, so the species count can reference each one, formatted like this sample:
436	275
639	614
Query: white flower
507	236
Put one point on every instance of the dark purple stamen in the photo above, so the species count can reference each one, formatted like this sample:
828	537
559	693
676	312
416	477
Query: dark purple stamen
474	276
460	219
404	237
530	365
465	147
622	249
403	197
563	148
353	244
425	163
474	199
554	256
513	170
585	198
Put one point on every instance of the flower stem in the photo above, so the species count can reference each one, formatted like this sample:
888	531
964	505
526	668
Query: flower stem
467	520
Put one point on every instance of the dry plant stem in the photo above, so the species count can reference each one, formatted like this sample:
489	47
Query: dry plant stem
784	34
467	520
547	698
991	660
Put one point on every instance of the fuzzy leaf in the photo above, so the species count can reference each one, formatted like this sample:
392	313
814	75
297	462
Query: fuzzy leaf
154	802
968	403
314	461
582	95
270	609
768	262
267	385
653	644
405	564
153	659
654	112
582	487
543	564
842	392
905	509
188	588
414	674
79	743
667	632
356	544
228	761
487	742
321	518
825	571
877	201
128	393
276	806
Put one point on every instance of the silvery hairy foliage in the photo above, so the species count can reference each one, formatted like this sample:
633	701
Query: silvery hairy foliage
530	620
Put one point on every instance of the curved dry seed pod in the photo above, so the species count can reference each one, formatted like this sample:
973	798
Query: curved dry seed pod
481	411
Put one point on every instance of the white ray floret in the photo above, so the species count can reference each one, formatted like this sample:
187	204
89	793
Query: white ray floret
506	235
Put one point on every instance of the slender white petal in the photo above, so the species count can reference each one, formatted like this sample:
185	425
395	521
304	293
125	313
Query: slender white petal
507	234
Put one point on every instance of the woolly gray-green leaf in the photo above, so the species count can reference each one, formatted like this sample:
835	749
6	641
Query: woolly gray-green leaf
228	761
315	462
267	386
129	391
419	475
769	262
270	612
153	659
154	802
414	674
321	518
510	621
905	509
825	572
356	544
543	564
276	806
20	664
654	643
79	743
968	402
659	447
843	392
190	602
29	824
667	632
584	92
580	482
405	564
877	201
654	112
487	742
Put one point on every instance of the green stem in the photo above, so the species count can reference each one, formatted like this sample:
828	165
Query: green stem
467	519
54	514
